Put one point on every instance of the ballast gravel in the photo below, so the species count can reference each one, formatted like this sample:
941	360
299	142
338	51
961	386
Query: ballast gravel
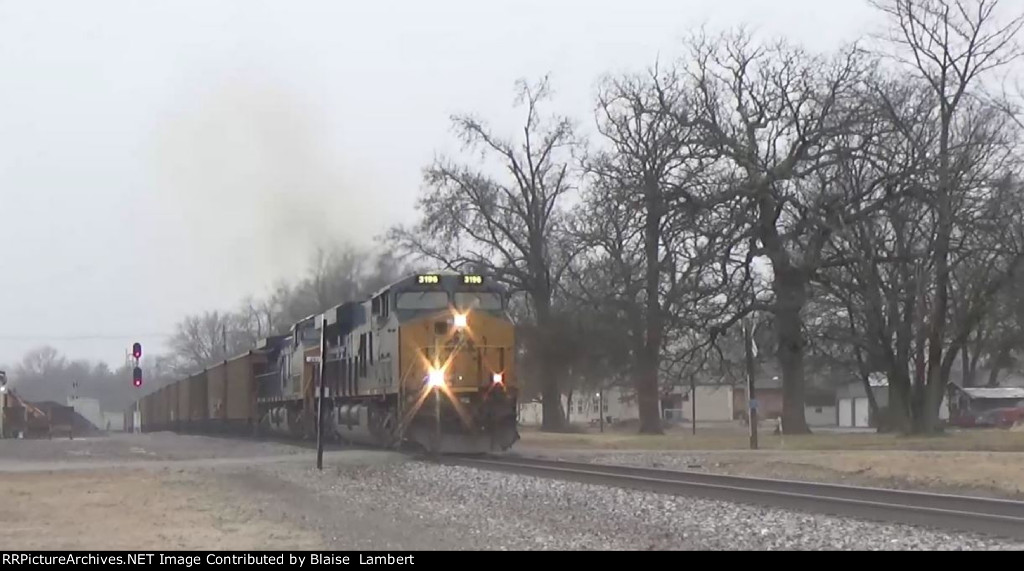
413	505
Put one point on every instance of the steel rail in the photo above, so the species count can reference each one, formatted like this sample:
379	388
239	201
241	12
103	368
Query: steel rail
1002	518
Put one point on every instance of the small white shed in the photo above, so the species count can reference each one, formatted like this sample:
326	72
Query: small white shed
852	407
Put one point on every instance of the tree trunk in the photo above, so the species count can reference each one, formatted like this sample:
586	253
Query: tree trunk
553	416
901	415
872	401
993	376
647	381
966	366
791	294
973	376
863	370
647	398
937	331
917	387
568	408
1001	360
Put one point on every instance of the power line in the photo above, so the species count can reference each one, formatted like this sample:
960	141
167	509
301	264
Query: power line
81	337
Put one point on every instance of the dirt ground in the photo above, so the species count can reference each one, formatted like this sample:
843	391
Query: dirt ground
158	491
175	492
128	509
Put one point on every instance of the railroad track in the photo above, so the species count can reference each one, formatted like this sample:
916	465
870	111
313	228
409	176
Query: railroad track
1002	518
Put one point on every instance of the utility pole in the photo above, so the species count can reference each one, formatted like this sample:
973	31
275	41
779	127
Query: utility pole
748	342
3	401
693	403
320	401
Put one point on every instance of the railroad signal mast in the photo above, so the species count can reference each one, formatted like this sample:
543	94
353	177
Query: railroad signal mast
137	371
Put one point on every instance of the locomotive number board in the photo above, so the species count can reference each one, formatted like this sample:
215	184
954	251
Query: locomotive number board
433	279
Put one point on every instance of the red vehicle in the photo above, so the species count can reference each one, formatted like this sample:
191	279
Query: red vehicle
1001	417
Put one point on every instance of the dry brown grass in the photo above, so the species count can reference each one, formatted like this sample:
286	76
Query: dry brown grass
999	474
974	462
125	509
733	439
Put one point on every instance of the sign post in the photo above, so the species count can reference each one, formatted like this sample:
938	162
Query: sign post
320	401
748	338
3	400
693	403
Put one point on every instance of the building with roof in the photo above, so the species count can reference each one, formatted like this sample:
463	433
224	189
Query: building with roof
853	408
967	404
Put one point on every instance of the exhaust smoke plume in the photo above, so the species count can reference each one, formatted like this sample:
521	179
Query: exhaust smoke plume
248	187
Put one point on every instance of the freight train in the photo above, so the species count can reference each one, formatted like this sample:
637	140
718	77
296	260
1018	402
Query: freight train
427	361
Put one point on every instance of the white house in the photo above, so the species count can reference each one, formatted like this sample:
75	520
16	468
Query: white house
853	408
713	403
619	405
818	415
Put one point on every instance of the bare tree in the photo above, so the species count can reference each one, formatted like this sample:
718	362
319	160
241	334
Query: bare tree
997	342
952	47
889	292
780	116
645	217
201	340
505	225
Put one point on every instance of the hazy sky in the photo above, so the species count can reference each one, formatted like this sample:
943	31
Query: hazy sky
159	158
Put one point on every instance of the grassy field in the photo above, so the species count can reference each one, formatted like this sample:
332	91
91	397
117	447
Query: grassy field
736	439
973	462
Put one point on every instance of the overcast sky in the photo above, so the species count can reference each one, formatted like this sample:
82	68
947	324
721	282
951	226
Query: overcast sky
160	158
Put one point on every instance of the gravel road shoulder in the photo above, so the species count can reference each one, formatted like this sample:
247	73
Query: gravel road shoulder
186	497
410	505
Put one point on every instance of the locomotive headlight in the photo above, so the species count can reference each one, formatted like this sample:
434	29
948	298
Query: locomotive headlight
497	378
435	378
460	320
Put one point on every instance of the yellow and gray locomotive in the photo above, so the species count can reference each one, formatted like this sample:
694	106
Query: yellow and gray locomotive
427	360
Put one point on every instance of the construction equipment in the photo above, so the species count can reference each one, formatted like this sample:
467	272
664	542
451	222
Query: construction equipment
18	414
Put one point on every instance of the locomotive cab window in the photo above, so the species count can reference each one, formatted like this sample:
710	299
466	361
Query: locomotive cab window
423	300
477	300
380	305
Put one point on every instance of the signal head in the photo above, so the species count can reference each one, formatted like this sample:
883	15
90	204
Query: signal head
137	377
137	350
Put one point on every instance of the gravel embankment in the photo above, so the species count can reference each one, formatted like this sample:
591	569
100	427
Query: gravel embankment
408	505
